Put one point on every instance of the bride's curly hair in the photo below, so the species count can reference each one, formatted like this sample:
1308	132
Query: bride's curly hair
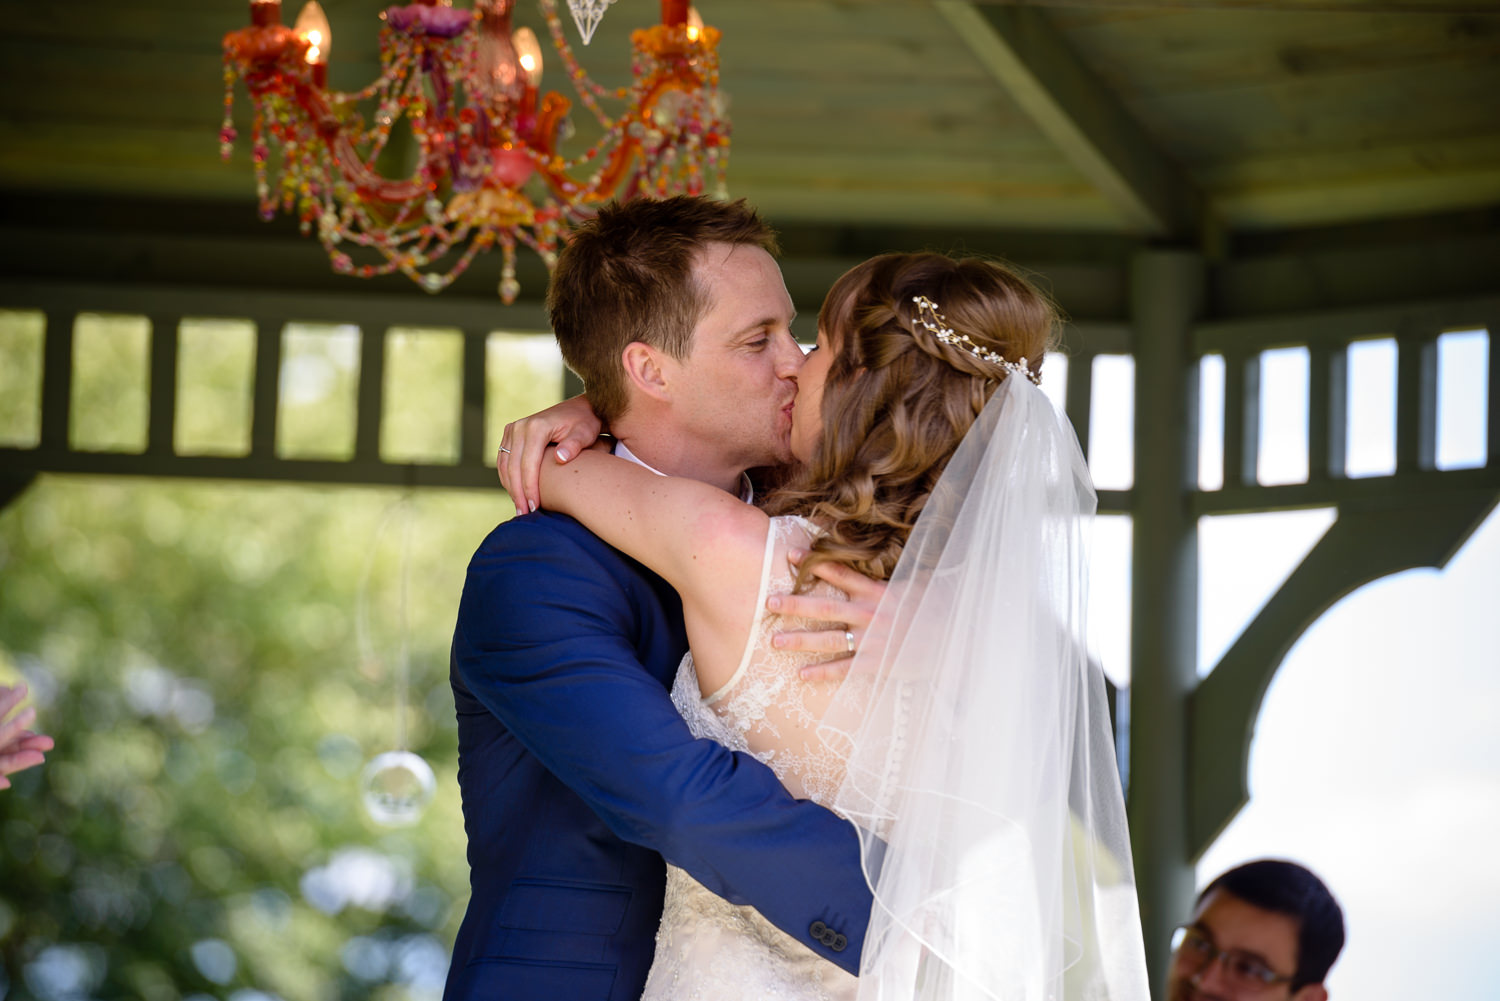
897	400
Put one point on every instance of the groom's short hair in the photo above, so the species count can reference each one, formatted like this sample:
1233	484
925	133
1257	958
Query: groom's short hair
627	275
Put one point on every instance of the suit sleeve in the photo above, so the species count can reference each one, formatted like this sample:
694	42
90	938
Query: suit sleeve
544	642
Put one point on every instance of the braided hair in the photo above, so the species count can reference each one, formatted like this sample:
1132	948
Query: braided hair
898	398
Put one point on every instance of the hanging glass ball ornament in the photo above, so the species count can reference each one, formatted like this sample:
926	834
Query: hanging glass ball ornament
397	786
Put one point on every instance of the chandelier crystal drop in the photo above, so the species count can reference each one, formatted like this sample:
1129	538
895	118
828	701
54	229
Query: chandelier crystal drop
485	139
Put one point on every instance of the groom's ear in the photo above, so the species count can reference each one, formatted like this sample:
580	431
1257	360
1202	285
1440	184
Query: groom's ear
644	369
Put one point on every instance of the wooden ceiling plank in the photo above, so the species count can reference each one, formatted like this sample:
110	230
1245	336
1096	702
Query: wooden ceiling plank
1034	64
783	166
1183	51
1354	162
1383	197
799	138
1379	107
996	207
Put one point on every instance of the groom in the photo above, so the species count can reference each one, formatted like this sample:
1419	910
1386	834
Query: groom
577	773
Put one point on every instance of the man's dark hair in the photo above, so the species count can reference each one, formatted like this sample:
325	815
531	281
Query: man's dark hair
627	275
1288	888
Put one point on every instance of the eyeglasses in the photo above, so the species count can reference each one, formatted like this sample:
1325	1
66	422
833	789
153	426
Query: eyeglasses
1242	970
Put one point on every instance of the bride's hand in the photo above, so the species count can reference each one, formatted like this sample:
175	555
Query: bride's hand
571	425
850	618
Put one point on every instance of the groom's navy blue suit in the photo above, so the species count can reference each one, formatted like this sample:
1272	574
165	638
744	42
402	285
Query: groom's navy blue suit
578	775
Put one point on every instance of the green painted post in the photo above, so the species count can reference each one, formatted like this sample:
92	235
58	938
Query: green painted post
1167	288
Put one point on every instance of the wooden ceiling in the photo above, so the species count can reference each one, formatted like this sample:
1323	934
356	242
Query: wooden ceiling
1103	122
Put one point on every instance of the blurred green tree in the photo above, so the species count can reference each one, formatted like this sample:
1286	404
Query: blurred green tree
217	662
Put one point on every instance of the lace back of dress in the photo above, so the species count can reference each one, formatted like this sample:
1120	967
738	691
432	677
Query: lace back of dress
707	947
766	708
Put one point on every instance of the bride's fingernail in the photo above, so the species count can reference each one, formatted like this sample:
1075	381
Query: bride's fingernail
794	556
562	455
774	602
778	640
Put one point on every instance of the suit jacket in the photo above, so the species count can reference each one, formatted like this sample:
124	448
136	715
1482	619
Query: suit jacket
578	775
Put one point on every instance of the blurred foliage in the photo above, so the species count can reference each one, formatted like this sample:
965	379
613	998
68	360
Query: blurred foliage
319	386
217	663
215	366
413	429
21	377
110	373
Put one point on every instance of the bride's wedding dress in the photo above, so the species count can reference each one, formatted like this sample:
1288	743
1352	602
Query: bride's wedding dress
970	745
707	947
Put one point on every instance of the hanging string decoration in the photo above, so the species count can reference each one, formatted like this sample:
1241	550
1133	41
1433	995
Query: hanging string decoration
397	785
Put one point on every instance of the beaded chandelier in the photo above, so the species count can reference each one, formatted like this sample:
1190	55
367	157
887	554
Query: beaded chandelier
485	140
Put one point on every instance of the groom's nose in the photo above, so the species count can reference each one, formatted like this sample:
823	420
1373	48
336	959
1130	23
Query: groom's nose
789	356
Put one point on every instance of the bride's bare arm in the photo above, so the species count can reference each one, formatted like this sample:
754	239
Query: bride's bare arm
570	425
701	540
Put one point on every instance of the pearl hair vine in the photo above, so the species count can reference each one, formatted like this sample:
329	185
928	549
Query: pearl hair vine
937	324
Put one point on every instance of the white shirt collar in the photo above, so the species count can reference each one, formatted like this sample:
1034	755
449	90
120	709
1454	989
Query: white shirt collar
747	491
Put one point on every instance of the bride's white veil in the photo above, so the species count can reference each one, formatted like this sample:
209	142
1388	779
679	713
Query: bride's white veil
982	772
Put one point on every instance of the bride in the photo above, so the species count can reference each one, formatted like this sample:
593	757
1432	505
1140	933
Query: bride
970	742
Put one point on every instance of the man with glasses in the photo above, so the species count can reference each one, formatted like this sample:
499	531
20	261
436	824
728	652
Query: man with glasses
1263	930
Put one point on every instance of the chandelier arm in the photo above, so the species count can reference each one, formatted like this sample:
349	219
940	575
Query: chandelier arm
546	152
477	142
365	180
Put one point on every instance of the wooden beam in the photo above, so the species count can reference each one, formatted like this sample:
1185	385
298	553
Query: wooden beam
21	465
1327	412
1342	492
1080	395
1167	291
371	394
1034	64
61	301
162	389
266	395
471	424
1241	418
1337	327
1492	421
57	378
1416	397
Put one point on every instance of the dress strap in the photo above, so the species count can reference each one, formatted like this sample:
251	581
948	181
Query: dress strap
760	614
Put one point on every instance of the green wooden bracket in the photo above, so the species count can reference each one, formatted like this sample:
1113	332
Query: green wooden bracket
1367	542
